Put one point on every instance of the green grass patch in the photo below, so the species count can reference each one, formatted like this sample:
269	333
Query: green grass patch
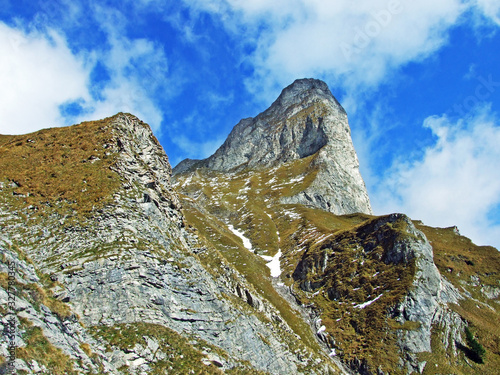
38	348
68	167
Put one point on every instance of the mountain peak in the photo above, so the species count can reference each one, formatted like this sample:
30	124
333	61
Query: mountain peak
305	121
305	89
302	93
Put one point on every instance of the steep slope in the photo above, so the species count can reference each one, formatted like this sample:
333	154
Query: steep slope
239	264
380	295
306	121
109	280
368	285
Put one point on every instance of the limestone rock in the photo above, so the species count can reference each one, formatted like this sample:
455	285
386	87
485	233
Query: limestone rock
133	261
305	120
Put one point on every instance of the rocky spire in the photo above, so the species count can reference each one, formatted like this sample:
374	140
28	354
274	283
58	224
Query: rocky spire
305	120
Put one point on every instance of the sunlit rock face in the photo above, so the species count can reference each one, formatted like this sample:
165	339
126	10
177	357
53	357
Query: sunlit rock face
305	121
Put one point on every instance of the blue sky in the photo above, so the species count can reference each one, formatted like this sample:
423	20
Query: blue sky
420	82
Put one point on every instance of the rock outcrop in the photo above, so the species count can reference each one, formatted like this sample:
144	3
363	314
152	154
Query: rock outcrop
427	299
424	295
133	261
305	120
262	258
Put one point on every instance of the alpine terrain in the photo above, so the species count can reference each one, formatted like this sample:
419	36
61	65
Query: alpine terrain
264	258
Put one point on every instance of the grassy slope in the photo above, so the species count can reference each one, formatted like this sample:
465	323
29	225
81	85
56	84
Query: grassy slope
350	276
66	173
470	268
37	347
250	201
66	166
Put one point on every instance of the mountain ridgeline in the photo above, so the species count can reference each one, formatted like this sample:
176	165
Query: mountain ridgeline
264	258
305	121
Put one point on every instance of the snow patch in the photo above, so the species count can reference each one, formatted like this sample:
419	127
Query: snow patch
240	234
368	303
322	238
292	215
297	179
273	263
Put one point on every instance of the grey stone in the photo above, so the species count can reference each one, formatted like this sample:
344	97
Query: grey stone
305	120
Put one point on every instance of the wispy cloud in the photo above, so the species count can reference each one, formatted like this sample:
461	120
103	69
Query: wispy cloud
490	9
138	71
455	182
352	44
195	149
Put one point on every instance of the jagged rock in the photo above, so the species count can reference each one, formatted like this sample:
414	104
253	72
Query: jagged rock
139	260
133	262
427	300
67	335
305	120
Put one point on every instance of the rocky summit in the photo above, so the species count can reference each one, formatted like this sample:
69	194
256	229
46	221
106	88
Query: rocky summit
264	258
305	121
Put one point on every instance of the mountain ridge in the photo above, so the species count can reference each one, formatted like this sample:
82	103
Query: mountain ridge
123	269
304	120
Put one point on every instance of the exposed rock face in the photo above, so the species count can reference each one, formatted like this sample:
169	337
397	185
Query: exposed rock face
68	335
427	300
133	261
393	240
248	276
305	120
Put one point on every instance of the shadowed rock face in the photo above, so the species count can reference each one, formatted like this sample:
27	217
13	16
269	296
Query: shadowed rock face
305	120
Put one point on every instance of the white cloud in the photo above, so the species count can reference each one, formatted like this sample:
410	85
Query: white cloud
490	8
455	183
355	44
138	71
38	73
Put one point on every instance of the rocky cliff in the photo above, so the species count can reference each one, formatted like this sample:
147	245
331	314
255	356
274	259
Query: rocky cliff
285	189
240	263
127	262
306	120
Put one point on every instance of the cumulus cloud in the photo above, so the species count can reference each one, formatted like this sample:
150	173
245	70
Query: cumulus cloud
38	73
455	182
46	82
